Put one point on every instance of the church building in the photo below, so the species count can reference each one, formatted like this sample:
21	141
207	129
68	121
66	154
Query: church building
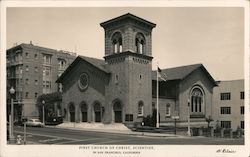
122	87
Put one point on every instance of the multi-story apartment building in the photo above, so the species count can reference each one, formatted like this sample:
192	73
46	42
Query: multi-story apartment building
228	104
32	71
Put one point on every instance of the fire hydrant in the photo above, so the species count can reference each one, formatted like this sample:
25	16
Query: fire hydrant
19	139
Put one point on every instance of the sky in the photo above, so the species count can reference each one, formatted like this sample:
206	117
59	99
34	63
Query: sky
213	36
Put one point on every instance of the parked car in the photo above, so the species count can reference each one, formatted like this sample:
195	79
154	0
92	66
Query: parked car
34	122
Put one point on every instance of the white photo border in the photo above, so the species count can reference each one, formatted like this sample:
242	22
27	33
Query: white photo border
159	150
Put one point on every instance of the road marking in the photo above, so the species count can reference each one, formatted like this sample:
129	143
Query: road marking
49	136
50	140
78	141
112	141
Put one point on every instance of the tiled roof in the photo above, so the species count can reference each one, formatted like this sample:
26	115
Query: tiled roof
179	73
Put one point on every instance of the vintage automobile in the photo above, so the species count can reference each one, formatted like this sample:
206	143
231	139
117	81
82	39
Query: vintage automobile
34	122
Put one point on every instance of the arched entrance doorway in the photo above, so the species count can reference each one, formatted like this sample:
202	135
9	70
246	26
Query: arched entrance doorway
72	112
84	112
117	112
97	112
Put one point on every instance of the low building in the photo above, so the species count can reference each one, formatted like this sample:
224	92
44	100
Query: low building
187	92
228	104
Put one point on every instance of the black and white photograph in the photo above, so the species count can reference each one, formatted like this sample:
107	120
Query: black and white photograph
125	79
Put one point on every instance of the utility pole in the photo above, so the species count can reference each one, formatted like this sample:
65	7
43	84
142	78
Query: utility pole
189	133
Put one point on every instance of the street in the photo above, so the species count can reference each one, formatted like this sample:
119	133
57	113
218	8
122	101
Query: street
59	136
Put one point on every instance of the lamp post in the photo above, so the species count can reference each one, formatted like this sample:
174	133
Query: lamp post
11	117
43	102
189	133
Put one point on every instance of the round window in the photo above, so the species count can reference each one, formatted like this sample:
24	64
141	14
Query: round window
83	81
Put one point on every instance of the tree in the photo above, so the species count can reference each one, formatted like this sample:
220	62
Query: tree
209	120
49	100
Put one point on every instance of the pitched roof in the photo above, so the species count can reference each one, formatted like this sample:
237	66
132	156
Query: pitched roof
98	63
179	73
128	16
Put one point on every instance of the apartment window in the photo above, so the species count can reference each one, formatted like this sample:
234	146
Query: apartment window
46	71
242	124
27	55
47	59
35	95
36	82
242	95
27	68
168	109
20	56
36	56
242	110
46	87
36	69
20	70
61	63
27	81
26	94
226	124
225	96
225	110
140	108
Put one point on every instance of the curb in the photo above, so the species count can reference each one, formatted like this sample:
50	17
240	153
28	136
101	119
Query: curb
125	133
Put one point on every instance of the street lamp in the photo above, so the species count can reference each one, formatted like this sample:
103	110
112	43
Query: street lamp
189	133
43	102
11	116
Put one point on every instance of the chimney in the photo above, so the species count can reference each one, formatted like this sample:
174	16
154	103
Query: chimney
31	43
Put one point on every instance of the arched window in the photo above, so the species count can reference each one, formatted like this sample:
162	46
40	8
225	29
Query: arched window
117	42
197	101
140	108
140	43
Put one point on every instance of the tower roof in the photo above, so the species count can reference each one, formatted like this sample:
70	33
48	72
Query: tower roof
127	16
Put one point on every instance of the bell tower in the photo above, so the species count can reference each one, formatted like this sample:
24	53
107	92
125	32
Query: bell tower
128	33
128	54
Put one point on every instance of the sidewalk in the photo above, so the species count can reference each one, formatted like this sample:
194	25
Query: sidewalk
112	128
